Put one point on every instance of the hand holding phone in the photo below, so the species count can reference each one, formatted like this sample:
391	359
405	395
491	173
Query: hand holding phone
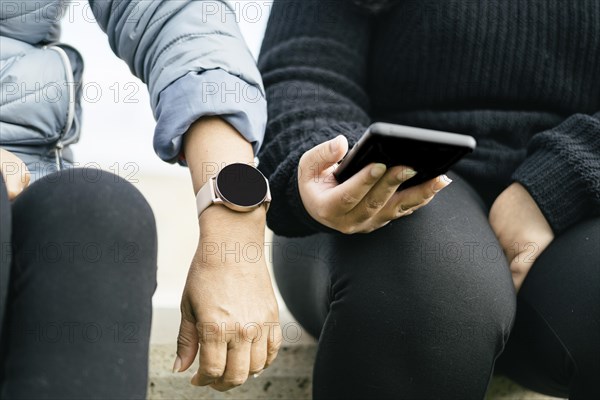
430	153
364	202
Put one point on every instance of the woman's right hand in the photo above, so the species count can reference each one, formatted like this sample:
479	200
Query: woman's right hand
365	202
15	173
228	309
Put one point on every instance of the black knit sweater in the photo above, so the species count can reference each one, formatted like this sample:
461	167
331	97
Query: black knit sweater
522	77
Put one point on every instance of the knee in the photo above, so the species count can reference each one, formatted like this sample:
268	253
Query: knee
413	286
90	197
449	318
87	211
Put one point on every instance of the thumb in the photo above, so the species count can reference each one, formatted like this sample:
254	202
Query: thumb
322	156
187	346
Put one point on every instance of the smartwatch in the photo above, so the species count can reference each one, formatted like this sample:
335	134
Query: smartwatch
240	187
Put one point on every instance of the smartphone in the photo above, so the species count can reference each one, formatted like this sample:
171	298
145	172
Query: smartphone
430	153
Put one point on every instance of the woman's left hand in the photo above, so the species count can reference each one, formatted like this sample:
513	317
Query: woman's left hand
15	173
521	228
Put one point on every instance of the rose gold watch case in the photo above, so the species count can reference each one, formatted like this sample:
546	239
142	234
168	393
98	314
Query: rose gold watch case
209	194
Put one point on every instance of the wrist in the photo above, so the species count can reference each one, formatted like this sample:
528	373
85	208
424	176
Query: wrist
210	144
218	220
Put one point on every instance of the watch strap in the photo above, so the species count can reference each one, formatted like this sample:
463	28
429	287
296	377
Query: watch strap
206	196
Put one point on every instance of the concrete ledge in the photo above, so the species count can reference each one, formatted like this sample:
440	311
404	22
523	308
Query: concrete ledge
503	388
288	378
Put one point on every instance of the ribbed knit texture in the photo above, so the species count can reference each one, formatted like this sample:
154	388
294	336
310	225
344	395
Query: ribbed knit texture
522	77
562	171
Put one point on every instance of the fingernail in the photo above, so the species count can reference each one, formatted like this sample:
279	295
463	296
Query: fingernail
177	365
441	183
378	170
334	145
256	375
194	378
406	174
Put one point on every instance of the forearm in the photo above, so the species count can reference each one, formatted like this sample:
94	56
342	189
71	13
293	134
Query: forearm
562	171
226	286
301	56
209	145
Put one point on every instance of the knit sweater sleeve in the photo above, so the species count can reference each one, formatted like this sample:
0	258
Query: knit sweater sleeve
562	171
313	61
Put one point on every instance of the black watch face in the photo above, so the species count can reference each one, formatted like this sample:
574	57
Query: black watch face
242	185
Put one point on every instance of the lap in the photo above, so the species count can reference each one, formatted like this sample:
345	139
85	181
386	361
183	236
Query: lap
423	305
445	255
82	260
555	343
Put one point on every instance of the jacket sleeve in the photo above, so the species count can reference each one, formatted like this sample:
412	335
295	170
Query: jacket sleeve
313	62
194	60
562	171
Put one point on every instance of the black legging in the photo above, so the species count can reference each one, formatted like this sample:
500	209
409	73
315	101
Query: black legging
77	309
421	308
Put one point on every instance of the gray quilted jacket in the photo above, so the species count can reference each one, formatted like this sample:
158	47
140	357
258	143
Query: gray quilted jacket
175	47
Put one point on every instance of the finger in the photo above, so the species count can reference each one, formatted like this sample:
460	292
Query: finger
274	341
258	356
382	192
26	176
321	157
349	194
428	189
187	346
409	200
519	268
15	183
238	366
213	359
439	183
13	189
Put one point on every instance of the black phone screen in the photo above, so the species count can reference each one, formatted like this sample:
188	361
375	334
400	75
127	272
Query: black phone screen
429	158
